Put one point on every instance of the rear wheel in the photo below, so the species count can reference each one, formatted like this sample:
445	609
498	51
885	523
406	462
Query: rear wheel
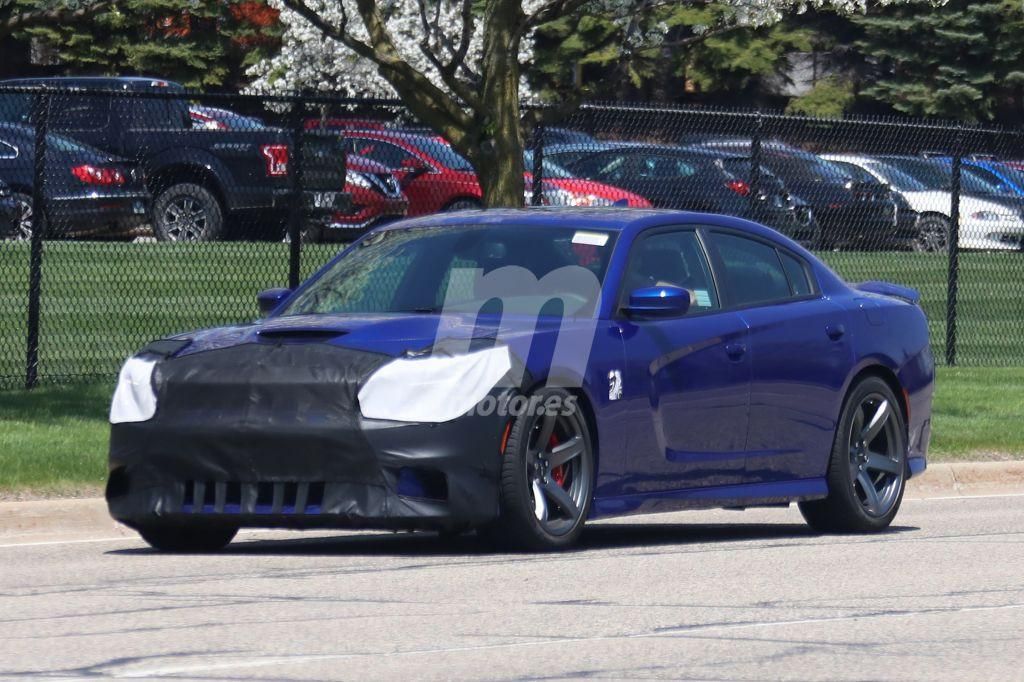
547	477
23	225
932	235
867	470
187	537
187	212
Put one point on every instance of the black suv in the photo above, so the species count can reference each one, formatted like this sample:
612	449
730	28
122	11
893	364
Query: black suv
198	177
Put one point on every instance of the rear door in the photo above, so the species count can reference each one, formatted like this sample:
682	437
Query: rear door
800	356
686	380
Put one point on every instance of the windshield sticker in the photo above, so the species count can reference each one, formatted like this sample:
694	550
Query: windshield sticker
703	298
590	238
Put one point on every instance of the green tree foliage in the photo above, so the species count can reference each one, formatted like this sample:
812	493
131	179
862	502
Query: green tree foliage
201	43
830	98
963	61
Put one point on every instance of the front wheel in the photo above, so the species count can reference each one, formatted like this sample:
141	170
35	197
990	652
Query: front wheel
187	537
868	467
547	476
463	205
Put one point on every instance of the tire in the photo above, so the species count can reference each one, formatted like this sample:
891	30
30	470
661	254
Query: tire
565	491
23	228
463	205
186	212
309	234
187	538
932	235
878	460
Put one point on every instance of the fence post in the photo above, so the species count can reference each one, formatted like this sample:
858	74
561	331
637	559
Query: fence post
953	274
296	215
41	117
755	163
538	165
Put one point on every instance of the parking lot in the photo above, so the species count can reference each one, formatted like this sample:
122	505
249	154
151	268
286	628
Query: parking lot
700	595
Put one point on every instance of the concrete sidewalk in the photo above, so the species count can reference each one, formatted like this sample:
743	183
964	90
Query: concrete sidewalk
65	520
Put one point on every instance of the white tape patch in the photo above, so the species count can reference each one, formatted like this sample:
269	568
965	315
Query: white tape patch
134	399
590	238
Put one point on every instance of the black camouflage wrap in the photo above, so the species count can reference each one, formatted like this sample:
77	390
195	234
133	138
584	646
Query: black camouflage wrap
269	434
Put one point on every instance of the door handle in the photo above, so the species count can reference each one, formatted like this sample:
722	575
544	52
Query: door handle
835	331
735	351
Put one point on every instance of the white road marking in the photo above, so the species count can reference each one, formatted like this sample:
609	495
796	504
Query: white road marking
284	660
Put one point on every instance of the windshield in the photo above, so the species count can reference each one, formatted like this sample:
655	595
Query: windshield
437	269
443	152
937	175
551	169
897	178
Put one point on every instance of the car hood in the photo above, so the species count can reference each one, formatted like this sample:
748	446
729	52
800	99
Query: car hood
600	190
395	334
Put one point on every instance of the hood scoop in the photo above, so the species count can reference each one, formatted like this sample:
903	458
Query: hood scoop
299	334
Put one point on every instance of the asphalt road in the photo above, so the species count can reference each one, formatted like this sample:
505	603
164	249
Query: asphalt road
704	595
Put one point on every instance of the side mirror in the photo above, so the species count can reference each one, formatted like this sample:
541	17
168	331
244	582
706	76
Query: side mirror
269	299
660	301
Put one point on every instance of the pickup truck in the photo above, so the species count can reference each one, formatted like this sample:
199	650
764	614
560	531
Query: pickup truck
199	177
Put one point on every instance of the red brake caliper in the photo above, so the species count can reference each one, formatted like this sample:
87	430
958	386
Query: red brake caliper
558	473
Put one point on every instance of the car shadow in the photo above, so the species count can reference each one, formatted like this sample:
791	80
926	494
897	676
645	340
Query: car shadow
595	538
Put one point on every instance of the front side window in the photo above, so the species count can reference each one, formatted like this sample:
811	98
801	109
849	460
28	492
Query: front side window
672	259
753	272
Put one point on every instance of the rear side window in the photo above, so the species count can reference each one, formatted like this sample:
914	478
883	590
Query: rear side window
79	112
797	274
753	271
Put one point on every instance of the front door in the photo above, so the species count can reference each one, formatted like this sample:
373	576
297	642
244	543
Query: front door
686	380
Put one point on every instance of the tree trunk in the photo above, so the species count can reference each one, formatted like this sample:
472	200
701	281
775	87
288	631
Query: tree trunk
498	157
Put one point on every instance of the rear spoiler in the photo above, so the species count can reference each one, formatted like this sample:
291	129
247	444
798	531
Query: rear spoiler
889	289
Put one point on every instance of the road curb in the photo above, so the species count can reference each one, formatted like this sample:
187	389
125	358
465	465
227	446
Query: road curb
64	520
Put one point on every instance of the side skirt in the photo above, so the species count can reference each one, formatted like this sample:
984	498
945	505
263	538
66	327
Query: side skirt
751	495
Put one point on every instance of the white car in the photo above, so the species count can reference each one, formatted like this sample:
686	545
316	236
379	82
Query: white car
984	224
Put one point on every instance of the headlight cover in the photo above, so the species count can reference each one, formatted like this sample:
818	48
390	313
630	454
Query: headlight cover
433	389
134	399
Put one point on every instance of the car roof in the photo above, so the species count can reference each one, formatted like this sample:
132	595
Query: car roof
619	219
133	83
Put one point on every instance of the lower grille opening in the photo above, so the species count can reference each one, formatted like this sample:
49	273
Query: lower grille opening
233	498
264	498
315	498
422	483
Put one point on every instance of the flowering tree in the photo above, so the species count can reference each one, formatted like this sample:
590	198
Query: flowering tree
457	63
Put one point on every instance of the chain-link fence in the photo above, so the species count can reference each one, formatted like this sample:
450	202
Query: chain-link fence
132	209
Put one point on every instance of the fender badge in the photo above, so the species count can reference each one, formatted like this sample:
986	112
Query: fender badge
614	385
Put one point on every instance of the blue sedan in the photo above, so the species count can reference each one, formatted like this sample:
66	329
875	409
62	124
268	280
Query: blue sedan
519	372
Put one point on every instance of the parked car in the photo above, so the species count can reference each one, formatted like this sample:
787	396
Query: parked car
407	405
376	199
10	214
996	220
433	176
198	177
562	188
699	180
850	213
906	214
1002	177
87	192
935	206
